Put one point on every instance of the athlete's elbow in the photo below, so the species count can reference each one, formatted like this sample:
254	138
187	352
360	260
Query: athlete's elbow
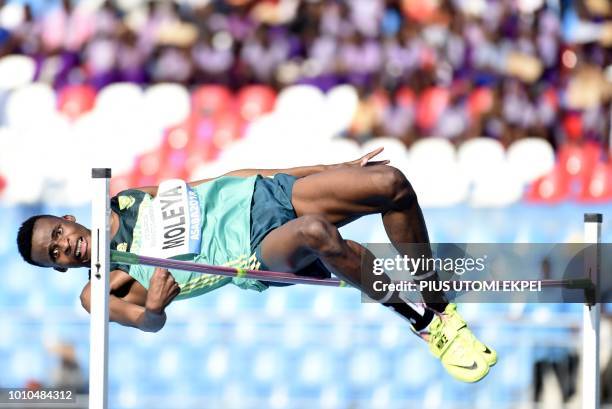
152	322
151	328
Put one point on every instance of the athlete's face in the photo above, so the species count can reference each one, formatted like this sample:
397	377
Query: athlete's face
61	243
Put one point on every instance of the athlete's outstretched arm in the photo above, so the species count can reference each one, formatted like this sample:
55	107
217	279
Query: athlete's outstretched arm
299	172
149	318
303	171
127	313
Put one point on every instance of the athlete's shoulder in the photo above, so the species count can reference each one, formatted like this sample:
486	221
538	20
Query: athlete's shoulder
126	199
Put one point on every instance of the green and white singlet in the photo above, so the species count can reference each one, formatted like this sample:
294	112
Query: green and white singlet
225	205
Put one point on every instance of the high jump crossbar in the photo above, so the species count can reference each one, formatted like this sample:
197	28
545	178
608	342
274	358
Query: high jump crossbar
101	256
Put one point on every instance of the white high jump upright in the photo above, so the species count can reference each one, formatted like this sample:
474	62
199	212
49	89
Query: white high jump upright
591	315
100	263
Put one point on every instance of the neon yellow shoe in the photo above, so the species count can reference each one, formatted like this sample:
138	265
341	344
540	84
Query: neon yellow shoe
490	355
455	350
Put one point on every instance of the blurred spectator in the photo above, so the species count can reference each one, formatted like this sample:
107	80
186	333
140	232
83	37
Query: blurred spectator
68	374
213	57
397	116
366	116
509	69
263	53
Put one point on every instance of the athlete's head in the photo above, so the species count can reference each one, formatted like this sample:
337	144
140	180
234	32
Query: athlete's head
58	242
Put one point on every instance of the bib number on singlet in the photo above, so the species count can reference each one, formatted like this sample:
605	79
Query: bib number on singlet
172	226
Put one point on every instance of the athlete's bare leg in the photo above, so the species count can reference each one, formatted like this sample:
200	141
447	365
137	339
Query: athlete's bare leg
345	194
297	243
342	195
329	199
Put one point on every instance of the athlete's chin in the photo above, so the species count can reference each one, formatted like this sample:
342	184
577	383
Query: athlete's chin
85	261
86	258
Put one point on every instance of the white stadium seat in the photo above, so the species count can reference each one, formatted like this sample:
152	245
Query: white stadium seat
483	163
30	105
432	169
338	150
395	150
249	153
530	158
432	149
167	104
122	109
300	111
4	97
497	186
104	143
340	106
264	128
21	166
120	101
16	71
299	101
477	156
209	170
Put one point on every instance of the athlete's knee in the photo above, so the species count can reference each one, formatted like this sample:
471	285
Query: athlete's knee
394	186
320	235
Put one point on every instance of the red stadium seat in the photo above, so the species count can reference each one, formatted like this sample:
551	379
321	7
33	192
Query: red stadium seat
173	153
121	182
228	128
255	100
432	102
74	101
202	130
599	186
174	165
578	161
146	169
178	137
2	184
551	188
209	100
200	148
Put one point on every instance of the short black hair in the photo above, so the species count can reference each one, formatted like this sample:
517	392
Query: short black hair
24	238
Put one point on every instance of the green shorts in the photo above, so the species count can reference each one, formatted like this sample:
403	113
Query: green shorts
271	207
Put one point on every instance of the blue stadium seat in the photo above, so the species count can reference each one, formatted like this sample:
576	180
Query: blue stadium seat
314	367
333	395
365	367
28	361
414	368
266	366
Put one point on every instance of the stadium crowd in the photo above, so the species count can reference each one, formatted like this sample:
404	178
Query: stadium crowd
455	69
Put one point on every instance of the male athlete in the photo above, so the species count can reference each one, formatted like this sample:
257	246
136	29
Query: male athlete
280	220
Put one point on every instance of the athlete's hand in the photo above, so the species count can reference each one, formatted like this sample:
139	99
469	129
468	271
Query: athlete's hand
162	290
365	160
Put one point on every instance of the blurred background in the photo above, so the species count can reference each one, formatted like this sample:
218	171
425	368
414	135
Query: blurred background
497	111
